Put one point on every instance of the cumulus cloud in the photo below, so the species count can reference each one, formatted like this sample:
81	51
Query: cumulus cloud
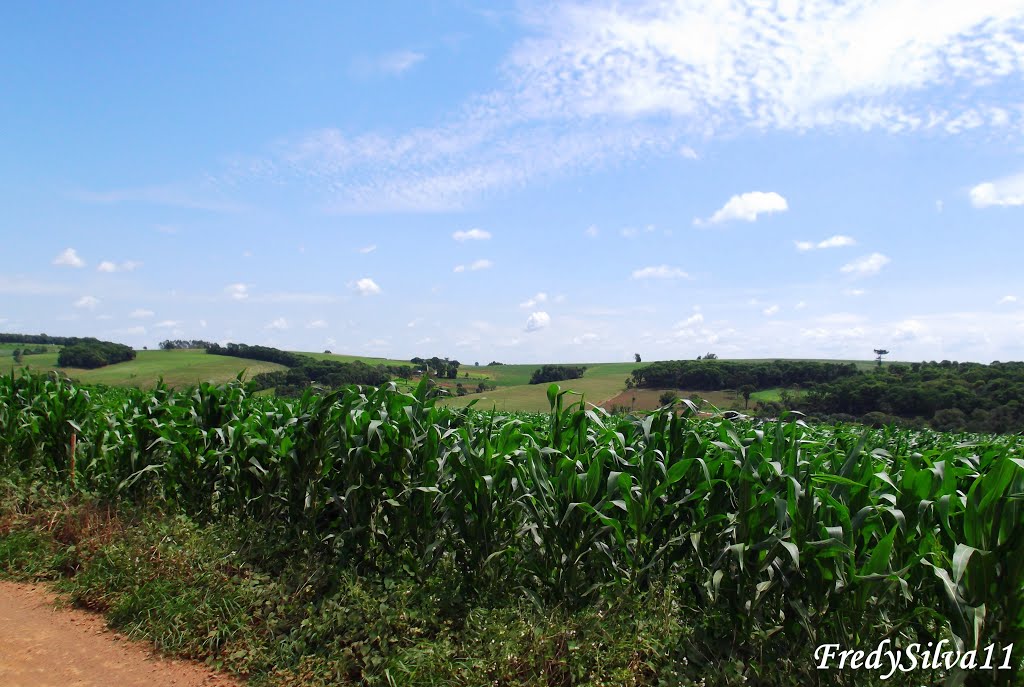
747	207
539	297
69	258
1006	300
692	320
471	235
1005	192
126	266
771	310
87	302
660	272
238	292
366	287
538	320
837	241
866	265
689	153
140	313
279	324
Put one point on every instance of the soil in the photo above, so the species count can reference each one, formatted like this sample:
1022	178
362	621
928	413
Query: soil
44	645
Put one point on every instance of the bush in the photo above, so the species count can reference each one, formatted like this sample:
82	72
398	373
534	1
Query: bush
668	398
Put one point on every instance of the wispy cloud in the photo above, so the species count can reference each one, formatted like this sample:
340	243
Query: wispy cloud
126	266
238	292
866	265
837	241
471	235
87	302
172	196
475	266
141	313
539	297
1007	300
660	272
368	249
280	324
69	258
747	207
389	64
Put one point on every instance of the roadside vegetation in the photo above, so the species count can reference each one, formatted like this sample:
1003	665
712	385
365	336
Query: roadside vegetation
369	536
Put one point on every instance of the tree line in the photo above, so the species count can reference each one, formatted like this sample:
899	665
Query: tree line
556	373
711	374
183	344
89	354
304	371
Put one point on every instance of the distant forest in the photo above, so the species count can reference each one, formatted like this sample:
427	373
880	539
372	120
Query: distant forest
947	395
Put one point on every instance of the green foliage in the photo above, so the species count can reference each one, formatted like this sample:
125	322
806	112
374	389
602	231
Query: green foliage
556	373
768	538
89	354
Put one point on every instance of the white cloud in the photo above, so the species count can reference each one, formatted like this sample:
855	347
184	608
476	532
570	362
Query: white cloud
126	266
854	292
202	323
137	330
800	306
368	249
140	313
747	207
1005	300
1005	192
69	258
694	319
689	153
366	287
588	337
539	297
592	231
475	266
280	324
481	264
866	265
167	324
317	324
837	241
87	302
471	235
537	320
771	310
239	292
660	272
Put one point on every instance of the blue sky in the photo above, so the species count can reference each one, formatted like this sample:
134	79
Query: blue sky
519	182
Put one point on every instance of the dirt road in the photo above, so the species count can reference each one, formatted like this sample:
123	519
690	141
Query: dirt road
44	647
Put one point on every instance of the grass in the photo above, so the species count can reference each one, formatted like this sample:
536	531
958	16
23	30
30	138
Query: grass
599	383
178	368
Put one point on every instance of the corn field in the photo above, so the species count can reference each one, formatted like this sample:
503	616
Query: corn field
808	535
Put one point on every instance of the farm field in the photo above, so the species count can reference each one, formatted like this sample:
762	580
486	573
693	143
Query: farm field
178	368
471	549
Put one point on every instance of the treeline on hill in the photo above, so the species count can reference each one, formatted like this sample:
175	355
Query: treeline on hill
950	396
89	354
303	371
556	373
440	367
43	339
711	374
184	344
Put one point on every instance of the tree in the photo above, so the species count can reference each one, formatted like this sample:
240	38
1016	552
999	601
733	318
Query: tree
879	352
637	357
746	390
710	356
667	398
